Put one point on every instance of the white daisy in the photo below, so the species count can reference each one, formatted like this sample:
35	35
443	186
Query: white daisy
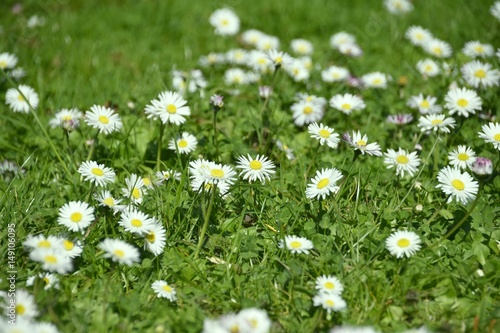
403	161
460	186
438	48
257	319
235	76
475	49
185	144
76	215
67	119
170	107
225	21
105	199
7	61
42	242
462	157
306	112
211	59
330	302
400	119
436	122
237	57
164	175
353	329
135	188
352	50
53	260
21	100
347	103
495	9
154	238
360	142
267	42
42	327
135	221
324	183
259	168
214	173
297	70
296	244
305	97
302	47
428	67
329	284
425	105
252	36
478	74
163	289
374	80
104	119
335	74
284	148
25	305
491	134
231	322
72	247
119	251
279	58
50	280
418	35
462	101
482	166
98	174
341	38
403	243
398	6
324	134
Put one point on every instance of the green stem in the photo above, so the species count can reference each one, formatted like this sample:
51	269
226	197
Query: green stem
160	139
206	216
92	147
313	160
216	144
438	210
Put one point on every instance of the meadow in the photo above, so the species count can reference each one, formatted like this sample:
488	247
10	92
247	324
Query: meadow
236	166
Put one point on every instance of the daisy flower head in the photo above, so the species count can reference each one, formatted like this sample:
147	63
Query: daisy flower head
164	175
257	319
44	327
104	119
374	80
214	173
478	74
297	70
491	134
163	289
185	144
418	36
235	76
50	280
306	112
287	150
134	188
7	61
462	157
42	242
225	21
353	50
400	119
52	260
154	238
462	101
436	122
438	48
25	305
67	119
305	97
302	47
324	134
329	284
459	186
279	58
341	38
170	107
334	74
403	243
360	142
259	168
212	59
495	9
402	161
76	215
353	329
483	166
72	247
476	49
119	251
135	221
21	100
428	67
425	105
347	103
324	183
98	174
330	302
267	42
296	244
237	57
105	199
398	6
252	36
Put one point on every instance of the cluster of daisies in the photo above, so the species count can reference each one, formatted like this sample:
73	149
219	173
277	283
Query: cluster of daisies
250	320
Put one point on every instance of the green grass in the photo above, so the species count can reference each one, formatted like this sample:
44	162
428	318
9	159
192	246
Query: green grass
116	52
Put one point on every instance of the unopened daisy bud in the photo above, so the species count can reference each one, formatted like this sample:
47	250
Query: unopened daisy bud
482	166
480	273
418	208
264	91
216	102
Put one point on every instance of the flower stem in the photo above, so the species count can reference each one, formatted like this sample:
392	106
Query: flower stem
160	139
216	144
206	217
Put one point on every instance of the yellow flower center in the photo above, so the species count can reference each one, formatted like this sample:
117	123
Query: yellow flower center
296	245
323	183
172	109
217	173
3	64
309	99
146	181
496	137
480	74
103	119
136	222
109	201
428	68
182	143
308	110
324	133
167	288
67	118
224	22
255	165
151	237
97	172
479	49
329	302
50	259
46	280
462	102
44	243
425	103
437	50
403	242
119	253
20	98
419	36
136	193
20	309
377	81
458	184
76	217
68	245
402	159
463	157
346	106
253	322
329	285
279	60
436	122
361	143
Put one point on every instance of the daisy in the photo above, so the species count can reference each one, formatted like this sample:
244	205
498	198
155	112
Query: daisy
42	242
105	199
305	97
352	50
154	238
104	119
252	36
329	284
428	67
45	328
50	280
67	119
403	243
284	148
425	105
341	38
436	122
418	36
21	100
491	134
25	305
235	76
98	174
495	9
134	189
398	6
335	74
135	221
462	157
237	57
458	185
279	58
257	319
165	175
17	73
259	168
170	107
53	260
214	173
477	74
474	49
438	48
403	161
163	289
72	248
119	251
353	329
374	80
462	101
225	22
297	70
324	134
266	43
76	215
7	61
306	112
324	183
347	103
296	244
231	322
330	302
400	119
360	142
185	144
21	325
211	59
482	166
302	47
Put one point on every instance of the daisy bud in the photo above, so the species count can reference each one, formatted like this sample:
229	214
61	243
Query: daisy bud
482	166
264	91
216	101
